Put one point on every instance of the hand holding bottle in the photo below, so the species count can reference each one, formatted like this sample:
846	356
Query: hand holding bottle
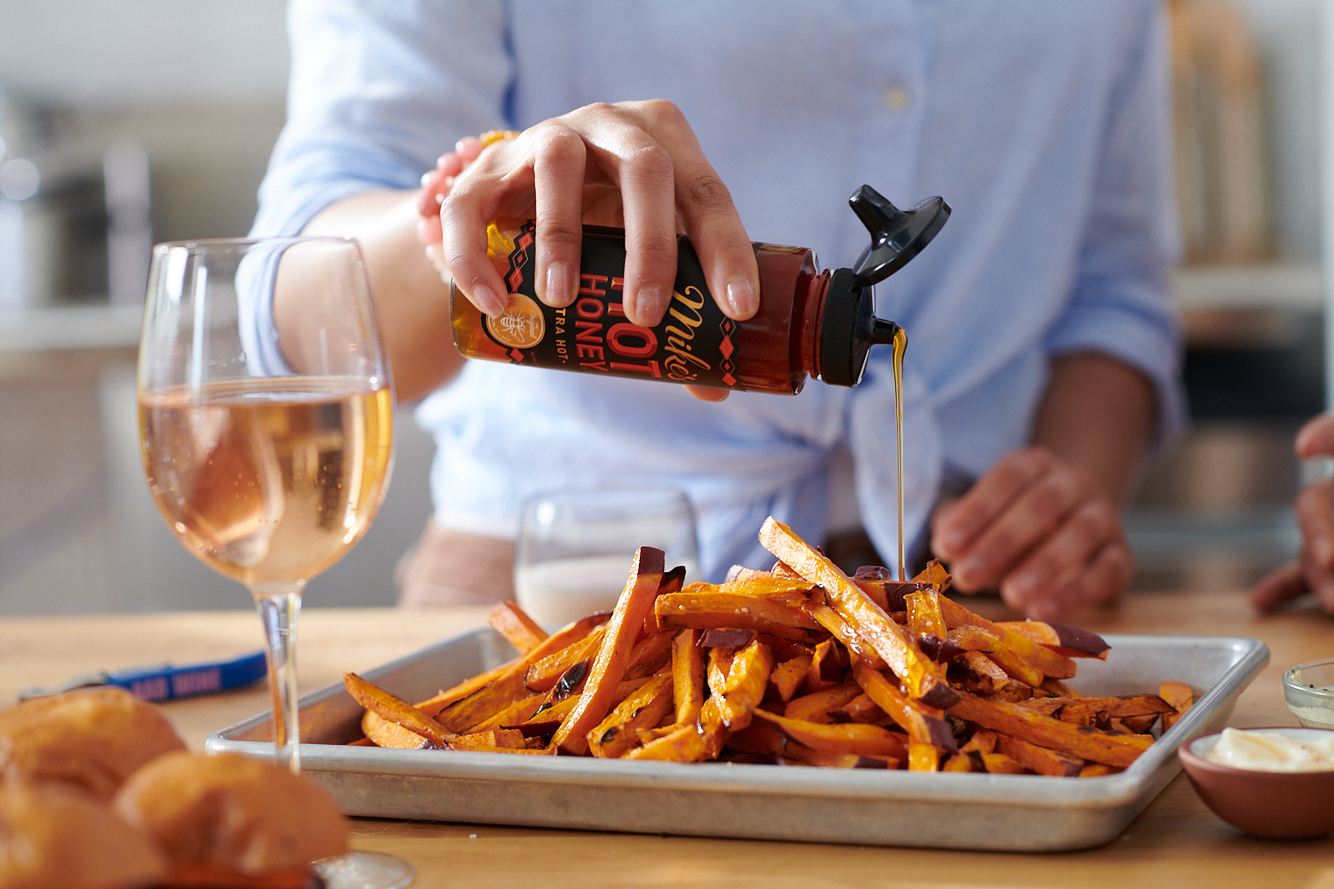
635	165
1313	570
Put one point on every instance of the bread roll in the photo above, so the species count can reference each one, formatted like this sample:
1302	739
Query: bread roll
91	738
232	811
53	837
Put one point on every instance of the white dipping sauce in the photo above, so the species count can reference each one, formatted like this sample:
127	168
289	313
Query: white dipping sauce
1272	752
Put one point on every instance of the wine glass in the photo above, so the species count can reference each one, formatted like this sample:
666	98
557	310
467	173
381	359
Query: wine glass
266	418
575	546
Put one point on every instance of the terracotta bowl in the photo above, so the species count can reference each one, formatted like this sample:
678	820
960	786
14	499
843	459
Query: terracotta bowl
1277	805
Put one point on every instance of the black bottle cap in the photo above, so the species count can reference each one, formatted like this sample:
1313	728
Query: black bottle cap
849	328
896	235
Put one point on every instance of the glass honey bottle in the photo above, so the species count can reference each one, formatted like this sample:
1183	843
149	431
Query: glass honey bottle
809	323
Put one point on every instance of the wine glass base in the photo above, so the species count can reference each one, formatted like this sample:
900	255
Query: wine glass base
365	870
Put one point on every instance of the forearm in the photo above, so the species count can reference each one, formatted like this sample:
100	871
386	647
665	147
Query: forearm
413	302
1098	414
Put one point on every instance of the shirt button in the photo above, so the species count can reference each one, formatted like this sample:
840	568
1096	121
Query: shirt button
895	97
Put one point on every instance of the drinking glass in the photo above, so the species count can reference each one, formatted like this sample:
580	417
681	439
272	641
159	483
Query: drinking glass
575	546
266	430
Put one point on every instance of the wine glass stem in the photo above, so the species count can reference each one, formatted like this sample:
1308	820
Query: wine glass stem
279	611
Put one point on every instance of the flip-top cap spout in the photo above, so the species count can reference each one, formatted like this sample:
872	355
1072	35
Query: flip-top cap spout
896	235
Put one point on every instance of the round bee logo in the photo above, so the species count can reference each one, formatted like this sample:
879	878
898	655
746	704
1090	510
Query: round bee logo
522	324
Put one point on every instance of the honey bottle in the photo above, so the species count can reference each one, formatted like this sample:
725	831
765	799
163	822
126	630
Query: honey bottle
809	323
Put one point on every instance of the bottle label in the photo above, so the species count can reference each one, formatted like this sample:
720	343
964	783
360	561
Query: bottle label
694	343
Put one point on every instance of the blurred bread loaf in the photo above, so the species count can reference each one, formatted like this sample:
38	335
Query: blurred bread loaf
92	739
54	837
232	812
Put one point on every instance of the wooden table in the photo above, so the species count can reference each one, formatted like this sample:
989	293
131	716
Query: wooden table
1175	842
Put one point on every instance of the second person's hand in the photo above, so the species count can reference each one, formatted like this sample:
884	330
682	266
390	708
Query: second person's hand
1037	529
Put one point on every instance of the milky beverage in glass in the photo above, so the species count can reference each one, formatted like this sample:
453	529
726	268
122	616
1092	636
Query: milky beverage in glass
575	547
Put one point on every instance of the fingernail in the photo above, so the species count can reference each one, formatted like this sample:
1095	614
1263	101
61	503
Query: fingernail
1023	586
650	305
559	291
971	569
487	300
948	544
1323	550
741	296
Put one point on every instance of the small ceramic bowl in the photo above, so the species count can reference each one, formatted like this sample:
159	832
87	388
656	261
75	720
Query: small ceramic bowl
1308	690
1277	805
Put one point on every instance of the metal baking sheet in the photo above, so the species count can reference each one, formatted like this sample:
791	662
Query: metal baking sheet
894	808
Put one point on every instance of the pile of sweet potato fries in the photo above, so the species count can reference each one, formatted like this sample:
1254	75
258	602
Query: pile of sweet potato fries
799	665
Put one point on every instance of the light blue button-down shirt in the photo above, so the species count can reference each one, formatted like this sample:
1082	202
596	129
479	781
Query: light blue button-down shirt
1042	122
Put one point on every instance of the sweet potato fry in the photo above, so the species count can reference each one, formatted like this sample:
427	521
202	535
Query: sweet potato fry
874	579
849	737
1069	641
718	669
859	709
543	675
961	762
685	610
635	604
615	735
741	572
520	630
1098	770
787	590
380	732
934	575
815	706
650	654
982	741
758	737
808	756
1180	695
555	709
387	734
923	678
1000	764
1029	725
687	743
971	638
742	690
787	677
510	686
519	712
1083	711
844	632
829	665
924	725
1042	760
1047	660
398	711
687	677
924	615
980	675
923	757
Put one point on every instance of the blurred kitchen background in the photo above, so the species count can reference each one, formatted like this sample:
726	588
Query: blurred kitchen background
127	123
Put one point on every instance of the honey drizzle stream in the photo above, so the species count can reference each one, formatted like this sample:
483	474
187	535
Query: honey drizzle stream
900	346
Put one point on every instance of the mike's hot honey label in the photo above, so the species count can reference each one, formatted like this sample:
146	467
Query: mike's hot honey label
693	344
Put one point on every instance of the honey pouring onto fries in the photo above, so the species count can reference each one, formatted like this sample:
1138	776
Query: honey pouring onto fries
800	665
